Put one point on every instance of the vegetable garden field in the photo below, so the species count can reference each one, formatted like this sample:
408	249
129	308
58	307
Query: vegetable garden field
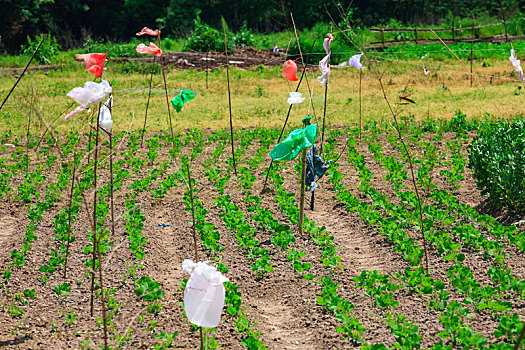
399	248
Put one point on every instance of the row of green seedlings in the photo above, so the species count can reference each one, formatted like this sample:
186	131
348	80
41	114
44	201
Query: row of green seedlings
413	254
210	237
333	303
146	289
38	205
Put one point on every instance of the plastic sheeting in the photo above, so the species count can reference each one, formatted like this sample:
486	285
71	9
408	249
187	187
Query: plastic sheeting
94	62
184	96
315	167
297	141
204	294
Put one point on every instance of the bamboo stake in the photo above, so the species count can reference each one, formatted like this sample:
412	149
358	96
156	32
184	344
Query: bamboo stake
69	216
520	339
324	116
103	299
360	105
147	103
206	70
194	238
24	71
229	95
111	182
167	99
303	175
94	257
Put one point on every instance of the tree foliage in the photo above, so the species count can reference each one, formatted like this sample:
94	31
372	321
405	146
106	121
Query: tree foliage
71	22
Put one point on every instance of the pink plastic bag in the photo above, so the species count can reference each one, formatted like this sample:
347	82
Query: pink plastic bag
148	31
204	294
94	62
152	48
290	70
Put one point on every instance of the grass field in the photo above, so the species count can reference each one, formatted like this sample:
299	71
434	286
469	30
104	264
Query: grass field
259	95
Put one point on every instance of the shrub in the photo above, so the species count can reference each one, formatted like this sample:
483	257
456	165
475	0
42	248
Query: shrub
497	160
205	38
460	123
47	51
244	37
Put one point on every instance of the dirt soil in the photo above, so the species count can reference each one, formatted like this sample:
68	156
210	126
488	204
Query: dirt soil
283	306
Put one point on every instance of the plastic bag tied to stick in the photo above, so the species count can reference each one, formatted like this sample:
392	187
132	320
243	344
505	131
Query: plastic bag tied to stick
91	94
295	97
105	120
148	31
204	294
516	63
355	61
184	96
152	48
315	167
94	62
289	70
297	141
324	65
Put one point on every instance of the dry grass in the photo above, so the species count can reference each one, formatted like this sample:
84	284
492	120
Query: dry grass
259	96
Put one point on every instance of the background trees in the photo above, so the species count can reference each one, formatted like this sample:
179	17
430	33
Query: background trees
72	21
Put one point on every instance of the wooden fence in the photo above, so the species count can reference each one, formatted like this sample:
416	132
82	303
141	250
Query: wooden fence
504	37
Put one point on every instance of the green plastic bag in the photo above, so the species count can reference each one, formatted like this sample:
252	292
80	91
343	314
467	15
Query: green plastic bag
297	141
179	100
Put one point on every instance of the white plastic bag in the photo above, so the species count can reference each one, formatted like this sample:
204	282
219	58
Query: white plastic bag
91	94
516	63
295	97
204	294
355	61
105	115
324	68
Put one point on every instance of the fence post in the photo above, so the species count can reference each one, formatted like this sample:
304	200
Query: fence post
506	34
453	33
383	36
415	35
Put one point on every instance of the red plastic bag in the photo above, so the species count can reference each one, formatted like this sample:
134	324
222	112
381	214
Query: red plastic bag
290	70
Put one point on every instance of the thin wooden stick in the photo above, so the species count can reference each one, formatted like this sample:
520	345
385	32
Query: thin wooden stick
94	256
111	183
194	229
69	216
324	116
103	299
229	95
206	70
24	71
147	103
193	214
301	205
360	105
167	99
520	339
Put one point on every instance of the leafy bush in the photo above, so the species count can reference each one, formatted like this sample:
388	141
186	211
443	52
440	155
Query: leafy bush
244	37
47	51
460	123
205	38
497	160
